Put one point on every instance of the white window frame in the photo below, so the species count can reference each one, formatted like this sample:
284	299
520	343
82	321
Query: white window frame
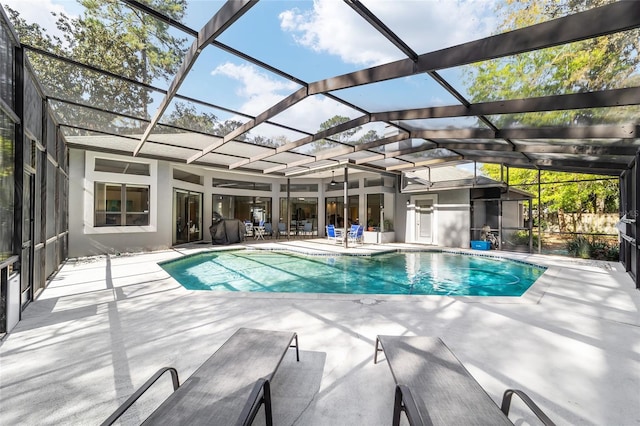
90	179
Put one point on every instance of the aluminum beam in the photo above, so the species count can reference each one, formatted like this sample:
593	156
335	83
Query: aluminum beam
281	106
374	157
375	22
425	163
599	99
380	142
543	148
161	17
624	131
627	131
454	134
592	167
611	18
620	17
5	108
318	136
141	84
231	11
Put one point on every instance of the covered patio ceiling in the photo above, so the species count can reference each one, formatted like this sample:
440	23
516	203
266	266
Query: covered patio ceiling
416	109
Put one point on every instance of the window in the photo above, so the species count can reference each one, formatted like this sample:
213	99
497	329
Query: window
334	208
122	194
121	167
338	186
254	209
387	182
299	187
121	204
301	210
240	184
187	177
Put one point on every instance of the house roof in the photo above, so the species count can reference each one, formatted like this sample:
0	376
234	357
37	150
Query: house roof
445	178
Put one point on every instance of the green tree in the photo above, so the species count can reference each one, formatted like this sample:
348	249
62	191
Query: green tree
114	37
187	117
370	136
335	121
562	192
268	141
600	63
346	137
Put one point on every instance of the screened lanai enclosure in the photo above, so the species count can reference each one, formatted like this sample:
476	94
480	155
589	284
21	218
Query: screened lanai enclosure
153	102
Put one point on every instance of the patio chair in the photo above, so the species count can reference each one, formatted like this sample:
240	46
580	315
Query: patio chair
228	388
331	233
307	228
434	388
356	233
282	229
248	226
268	230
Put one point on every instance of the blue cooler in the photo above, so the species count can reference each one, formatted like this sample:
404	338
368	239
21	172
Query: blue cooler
480	245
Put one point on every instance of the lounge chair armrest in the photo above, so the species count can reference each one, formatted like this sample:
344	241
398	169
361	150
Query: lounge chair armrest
404	402
260	393
137	394
506	404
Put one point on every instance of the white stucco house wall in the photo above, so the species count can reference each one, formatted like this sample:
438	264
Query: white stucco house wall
122	204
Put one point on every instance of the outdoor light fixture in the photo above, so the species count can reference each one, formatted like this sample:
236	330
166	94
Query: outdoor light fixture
333	181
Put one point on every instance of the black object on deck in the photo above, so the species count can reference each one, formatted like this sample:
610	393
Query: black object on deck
226	231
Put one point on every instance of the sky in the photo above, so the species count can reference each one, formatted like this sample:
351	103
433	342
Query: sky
313	40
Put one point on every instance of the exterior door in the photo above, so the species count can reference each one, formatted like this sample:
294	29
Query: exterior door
187	214
424	221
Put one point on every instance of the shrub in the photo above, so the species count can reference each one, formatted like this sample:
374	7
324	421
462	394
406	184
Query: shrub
521	238
592	248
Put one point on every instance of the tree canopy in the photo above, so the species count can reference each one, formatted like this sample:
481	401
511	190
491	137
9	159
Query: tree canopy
600	63
346	137
563	192
606	62
113	37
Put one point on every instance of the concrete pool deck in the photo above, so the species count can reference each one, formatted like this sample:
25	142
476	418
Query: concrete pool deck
105	324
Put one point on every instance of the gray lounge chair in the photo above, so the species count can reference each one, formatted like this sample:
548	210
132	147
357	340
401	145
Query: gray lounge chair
434	388
228	388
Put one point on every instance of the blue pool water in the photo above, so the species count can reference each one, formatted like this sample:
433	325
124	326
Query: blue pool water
427	273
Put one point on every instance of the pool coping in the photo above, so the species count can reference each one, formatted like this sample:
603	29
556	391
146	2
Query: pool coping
532	295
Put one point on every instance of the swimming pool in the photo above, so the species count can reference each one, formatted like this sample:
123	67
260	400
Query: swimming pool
426	273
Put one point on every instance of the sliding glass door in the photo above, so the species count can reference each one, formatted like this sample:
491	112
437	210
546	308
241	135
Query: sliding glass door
187	216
